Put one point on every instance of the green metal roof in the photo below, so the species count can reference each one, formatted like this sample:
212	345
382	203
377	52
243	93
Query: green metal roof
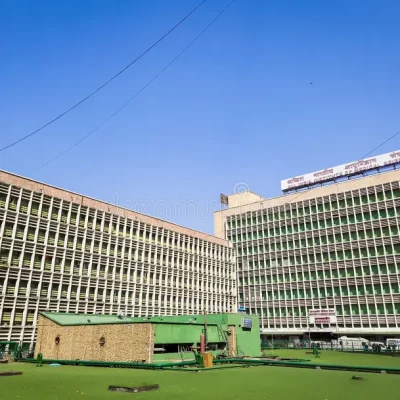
66	319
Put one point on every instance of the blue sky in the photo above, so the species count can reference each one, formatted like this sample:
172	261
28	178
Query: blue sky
237	107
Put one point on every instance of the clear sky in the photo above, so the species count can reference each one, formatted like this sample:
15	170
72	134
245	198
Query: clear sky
273	89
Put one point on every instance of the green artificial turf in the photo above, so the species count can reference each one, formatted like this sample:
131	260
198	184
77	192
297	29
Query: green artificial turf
337	357
264	383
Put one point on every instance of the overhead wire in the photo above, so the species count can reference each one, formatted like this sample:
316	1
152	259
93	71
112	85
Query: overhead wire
105	83
142	89
378	147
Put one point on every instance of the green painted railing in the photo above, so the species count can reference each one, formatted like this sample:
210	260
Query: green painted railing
110	363
244	361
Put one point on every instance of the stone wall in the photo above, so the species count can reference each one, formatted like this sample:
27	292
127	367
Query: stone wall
122	342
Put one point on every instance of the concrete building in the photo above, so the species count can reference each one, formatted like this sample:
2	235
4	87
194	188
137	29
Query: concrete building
326	259
146	339
61	251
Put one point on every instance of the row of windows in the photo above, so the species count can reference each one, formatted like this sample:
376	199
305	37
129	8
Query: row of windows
106	295
103	269
293	212
346	310
168	258
18	317
321	292
63	288
72	240
320	224
304	275
73	214
166	282
78	240
338	255
323	240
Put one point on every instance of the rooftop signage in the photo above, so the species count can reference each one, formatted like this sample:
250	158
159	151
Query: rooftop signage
352	168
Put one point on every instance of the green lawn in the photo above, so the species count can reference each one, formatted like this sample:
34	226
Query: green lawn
266	383
337	357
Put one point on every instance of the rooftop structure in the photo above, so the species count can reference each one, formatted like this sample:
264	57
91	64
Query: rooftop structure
112	338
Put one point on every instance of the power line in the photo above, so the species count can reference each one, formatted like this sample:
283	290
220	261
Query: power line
141	90
362	158
105	83
377	147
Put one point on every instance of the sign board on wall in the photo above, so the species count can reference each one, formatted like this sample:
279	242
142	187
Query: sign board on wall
351	168
247	322
322	316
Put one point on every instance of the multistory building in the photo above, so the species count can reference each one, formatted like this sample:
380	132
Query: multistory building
61	251
326	259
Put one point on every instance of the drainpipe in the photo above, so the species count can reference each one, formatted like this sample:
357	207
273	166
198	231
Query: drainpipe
205	330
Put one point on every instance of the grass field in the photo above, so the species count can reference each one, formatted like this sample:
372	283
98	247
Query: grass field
265	383
337	357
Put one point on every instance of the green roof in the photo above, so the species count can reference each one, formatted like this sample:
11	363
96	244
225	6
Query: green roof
66	319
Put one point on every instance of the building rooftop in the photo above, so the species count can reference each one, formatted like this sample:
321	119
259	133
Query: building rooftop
243	202
69	319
